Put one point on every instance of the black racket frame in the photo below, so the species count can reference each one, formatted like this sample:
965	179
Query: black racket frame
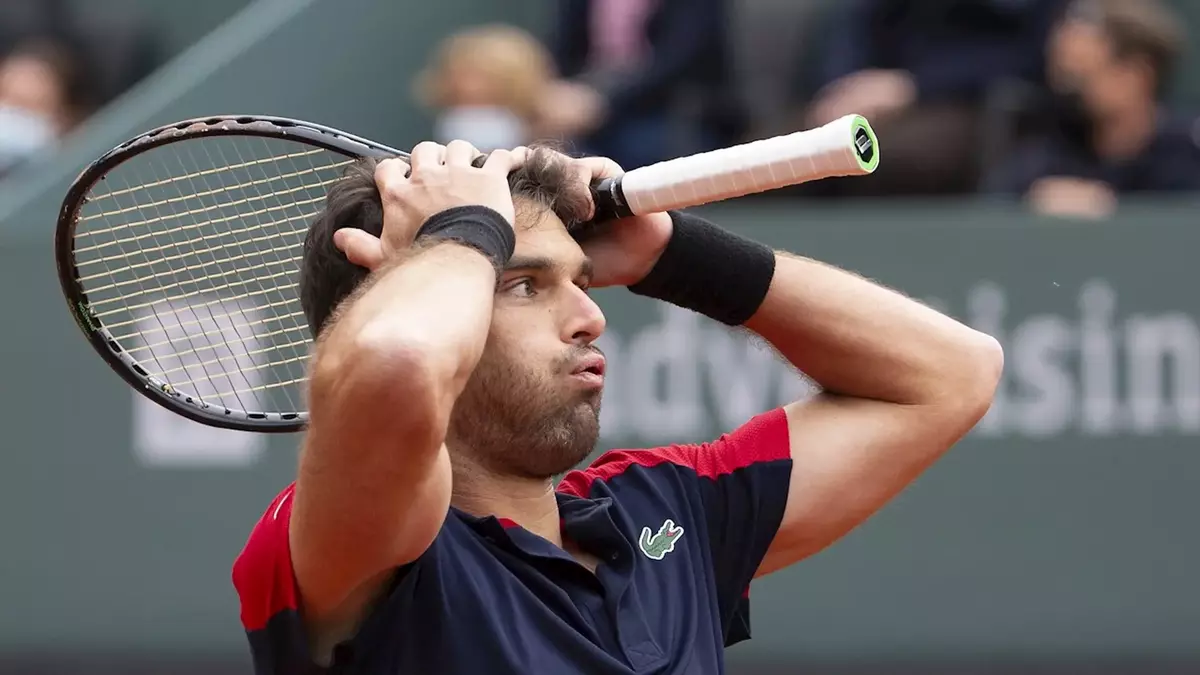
98	336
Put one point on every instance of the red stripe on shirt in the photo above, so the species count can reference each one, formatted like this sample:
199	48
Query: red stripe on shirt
262	573
762	439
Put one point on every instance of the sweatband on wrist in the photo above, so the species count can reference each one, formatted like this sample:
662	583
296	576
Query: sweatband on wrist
710	271
476	226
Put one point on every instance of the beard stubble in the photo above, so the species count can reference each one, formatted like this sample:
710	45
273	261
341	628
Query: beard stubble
513	421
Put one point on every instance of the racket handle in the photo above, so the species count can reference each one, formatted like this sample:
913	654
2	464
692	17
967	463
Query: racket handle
844	147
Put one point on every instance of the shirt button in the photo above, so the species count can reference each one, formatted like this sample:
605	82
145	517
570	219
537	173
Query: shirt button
614	556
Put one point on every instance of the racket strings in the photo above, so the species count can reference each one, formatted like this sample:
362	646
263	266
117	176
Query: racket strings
140	187
250	377
143	331
301	329
172	200
194	226
224	361
190	257
202	372
184	268
257	280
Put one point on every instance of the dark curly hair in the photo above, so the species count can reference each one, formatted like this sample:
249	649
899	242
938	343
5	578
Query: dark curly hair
327	277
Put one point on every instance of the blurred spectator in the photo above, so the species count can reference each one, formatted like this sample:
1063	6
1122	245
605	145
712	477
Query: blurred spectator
773	43
486	84
41	99
646	80
1108	131
920	71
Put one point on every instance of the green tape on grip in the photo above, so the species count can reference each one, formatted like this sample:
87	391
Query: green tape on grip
866	144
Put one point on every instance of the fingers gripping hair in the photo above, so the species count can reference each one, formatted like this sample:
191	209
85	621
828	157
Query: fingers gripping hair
543	183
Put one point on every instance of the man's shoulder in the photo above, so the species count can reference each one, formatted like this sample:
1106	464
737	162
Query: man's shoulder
262	571
274	518
762	438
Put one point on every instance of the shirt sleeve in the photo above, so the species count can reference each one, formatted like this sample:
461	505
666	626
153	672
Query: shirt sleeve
741	483
744	489
267	591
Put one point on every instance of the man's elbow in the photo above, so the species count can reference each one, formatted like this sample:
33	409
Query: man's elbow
409	382
978	370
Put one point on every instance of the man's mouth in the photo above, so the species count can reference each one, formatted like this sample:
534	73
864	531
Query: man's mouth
590	369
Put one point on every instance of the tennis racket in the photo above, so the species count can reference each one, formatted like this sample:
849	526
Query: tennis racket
179	250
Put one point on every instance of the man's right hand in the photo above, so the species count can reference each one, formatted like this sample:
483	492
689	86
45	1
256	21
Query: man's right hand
435	178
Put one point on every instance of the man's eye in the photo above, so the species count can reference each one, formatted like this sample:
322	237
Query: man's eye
522	288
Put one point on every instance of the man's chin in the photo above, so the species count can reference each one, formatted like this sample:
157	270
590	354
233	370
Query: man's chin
561	464
582	439
591	399
571	462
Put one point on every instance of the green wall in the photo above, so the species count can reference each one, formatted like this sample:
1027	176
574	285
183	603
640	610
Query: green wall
1064	525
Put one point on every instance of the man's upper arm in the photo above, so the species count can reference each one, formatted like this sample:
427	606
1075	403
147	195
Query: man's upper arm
350	527
372	488
851	456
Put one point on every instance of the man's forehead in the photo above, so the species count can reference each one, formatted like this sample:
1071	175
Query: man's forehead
542	232
547	242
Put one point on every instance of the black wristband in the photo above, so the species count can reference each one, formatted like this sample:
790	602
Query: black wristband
710	271
479	227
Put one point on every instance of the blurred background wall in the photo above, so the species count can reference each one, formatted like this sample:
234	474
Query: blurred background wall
1044	191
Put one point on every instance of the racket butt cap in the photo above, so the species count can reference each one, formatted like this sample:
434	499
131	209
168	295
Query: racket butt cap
864	142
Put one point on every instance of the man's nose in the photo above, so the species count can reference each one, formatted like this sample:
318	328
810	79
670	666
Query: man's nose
585	321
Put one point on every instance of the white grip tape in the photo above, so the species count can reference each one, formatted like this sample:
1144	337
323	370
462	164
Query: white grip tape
758	166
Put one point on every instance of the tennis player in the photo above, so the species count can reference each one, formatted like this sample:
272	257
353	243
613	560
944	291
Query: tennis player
456	373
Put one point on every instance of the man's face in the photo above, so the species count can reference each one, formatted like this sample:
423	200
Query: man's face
532	406
1082	60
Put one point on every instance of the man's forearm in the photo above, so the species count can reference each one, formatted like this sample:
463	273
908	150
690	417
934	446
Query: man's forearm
859	339
402	314
373	468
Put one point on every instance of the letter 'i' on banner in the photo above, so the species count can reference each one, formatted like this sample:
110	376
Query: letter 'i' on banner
186	338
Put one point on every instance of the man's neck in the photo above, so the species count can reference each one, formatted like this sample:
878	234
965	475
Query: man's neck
527	502
1128	134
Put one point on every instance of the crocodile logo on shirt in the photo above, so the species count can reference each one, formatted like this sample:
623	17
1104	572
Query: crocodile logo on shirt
656	547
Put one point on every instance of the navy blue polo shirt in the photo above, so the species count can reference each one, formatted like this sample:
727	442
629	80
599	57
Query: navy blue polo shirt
680	532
